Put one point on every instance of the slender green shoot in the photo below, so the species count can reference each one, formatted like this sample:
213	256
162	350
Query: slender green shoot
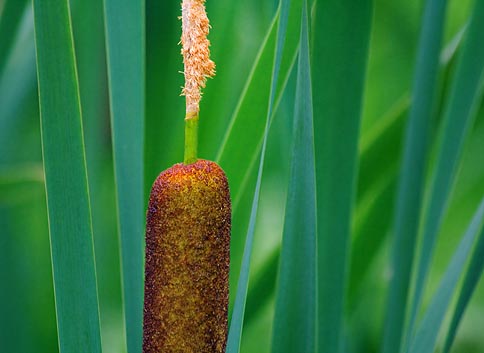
191	139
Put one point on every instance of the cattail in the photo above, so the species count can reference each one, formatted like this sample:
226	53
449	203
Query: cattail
187	260
188	227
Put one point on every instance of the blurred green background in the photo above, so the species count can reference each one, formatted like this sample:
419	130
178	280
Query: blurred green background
27	313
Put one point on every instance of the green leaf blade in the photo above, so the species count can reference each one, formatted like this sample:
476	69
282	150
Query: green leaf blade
247	129
295	313
471	280
340	51
66	181
412	177
426	336
457	121
236	324
124	22
378	168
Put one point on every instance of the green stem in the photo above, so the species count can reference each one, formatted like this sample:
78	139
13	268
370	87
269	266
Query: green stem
191	139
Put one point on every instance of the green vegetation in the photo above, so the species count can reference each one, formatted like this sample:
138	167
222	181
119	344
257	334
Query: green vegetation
351	134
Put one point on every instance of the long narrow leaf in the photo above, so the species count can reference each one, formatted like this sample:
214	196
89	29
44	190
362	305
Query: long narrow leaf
412	177
124	21
426	335
66	180
457	121
473	275
88	27
238	182
236	324
379	162
341	39
247	128
295	314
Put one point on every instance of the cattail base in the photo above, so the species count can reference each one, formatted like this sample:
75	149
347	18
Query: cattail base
187	260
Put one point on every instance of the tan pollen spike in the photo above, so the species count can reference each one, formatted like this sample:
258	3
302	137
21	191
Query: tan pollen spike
196	53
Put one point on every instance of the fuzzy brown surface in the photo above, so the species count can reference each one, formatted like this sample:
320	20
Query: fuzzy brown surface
187	260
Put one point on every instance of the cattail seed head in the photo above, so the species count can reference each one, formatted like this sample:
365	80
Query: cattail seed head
196	53
187	260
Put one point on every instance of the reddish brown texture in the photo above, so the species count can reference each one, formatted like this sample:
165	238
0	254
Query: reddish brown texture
187	260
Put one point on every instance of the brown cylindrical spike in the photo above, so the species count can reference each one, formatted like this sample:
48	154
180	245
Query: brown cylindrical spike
187	260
